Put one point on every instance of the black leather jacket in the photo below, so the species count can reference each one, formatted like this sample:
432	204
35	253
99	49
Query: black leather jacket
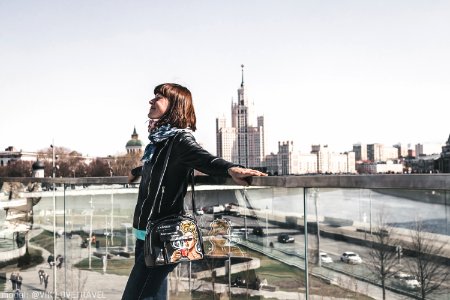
166	185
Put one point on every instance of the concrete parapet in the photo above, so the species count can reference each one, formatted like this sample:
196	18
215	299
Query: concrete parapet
12	254
253	263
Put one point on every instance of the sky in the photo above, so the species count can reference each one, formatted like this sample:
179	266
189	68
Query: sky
79	74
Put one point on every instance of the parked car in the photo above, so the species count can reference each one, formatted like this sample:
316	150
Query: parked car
351	258
285	238
258	231
406	281
325	258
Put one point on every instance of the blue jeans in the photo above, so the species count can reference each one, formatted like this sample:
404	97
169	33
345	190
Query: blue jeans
146	283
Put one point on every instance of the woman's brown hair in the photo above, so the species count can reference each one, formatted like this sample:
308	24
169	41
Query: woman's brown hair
181	113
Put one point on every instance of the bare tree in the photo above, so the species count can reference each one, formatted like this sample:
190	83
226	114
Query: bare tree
99	168
382	254
18	168
122	165
426	263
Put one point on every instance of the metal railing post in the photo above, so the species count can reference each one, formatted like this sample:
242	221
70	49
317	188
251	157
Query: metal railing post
305	224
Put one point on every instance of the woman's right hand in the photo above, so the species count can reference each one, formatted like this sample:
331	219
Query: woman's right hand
132	178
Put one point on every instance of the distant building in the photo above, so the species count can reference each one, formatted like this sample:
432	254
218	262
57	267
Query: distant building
380	167
381	153
226	142
323	158
360	152
38	169
134	145
422	164
428	149
288	161
443	163
11	154
273	165
244	142
331	162
402	150
307	163
375	152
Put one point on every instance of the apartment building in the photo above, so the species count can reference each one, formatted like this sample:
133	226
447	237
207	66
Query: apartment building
244	142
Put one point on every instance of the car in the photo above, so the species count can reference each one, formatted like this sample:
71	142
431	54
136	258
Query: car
258	231
351	258
325	258
406	281
285	238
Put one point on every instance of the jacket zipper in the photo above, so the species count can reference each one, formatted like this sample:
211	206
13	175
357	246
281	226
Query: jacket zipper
162	196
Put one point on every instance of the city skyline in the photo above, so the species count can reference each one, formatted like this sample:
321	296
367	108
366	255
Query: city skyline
81	74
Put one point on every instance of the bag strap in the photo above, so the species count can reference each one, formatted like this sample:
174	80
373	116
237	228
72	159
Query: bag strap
194	210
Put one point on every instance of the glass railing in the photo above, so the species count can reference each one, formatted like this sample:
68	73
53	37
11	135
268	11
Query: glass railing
362	236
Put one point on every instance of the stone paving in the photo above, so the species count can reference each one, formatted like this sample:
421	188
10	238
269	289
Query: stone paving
80	284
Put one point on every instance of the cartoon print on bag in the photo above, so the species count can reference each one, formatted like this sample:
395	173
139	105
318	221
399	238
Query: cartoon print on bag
187	246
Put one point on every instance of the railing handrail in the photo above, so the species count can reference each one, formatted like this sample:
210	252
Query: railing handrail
380	181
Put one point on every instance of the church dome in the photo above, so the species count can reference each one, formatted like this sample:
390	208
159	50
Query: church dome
38	165
135	144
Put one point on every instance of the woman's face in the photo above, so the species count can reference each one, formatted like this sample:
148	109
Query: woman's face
158	107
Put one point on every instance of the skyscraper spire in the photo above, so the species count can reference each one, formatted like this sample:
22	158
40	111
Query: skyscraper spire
242	83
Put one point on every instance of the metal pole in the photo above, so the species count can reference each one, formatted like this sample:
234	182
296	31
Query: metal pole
267	226
446	213
370	212
126	238
54	218
245	213
106	236
316	195
90	236
190	271
65	236
112	217
305	224
229	260
229	274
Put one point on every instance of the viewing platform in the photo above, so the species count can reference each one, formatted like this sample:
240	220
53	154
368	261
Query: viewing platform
346	209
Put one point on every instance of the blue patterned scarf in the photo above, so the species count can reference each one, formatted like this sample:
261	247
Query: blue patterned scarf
160	134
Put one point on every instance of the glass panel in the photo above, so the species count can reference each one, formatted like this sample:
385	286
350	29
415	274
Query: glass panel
260	230
100	214
247	227
371	238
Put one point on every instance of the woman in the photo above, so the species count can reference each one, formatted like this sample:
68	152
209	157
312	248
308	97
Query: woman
172	118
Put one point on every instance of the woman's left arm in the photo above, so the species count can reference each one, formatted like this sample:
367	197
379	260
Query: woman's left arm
193	155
